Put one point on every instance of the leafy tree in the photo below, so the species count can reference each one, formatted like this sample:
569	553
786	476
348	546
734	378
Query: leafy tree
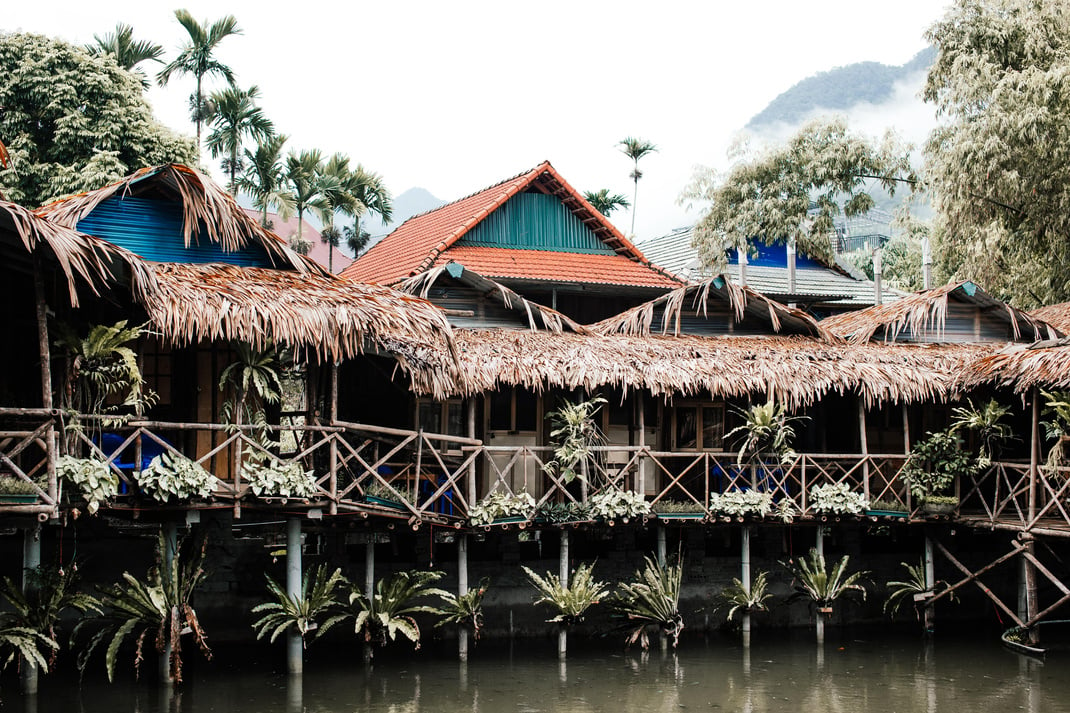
264	177
234	116
635	149
197	57
356	237
998	164
127	52
369	190
900	263
794	191
605	202
74	122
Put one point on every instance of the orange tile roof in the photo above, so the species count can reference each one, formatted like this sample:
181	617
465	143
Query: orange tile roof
557	266
424	240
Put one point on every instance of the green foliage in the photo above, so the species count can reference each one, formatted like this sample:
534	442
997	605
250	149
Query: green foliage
172	475
605	202
670	507
102	370
73	122
1057	409
652	599
739	598
836	499
465	610
20	642
770	195
900	263
987	422
274	478
737	503
766	432
251	381
95	480
564	512
570	602
934	464
814	581
233	117
500	504
389	611
50	592
613	503
127	52
307	612
263	177
157	609
998	162
574	432
901	591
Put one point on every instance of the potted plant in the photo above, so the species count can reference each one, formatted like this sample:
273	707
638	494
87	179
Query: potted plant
766	433
377	493
679	510
836	499
172	475
16	491
500	506
822	586
887	508
557	513
987	422
612	503
271	477
388	612
914	588
304	613
652	599
569	603
574	433
739	598
932	468
740	503
464	609
94	479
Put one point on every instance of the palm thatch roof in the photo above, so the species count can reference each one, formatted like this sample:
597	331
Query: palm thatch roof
1043	364
925	314
743	301
538	316
1057	315
81	258
206	208
796	370
321	314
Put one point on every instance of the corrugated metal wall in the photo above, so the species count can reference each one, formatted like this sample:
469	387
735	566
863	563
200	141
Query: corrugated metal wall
153	229
535	221
966	323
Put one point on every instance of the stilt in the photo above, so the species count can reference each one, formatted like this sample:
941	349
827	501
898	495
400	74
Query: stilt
170	551
819	619
930	584
295	694
745	578
369	585
462	589
562	633
1029	572
31	560
661	546
294	645
1029	583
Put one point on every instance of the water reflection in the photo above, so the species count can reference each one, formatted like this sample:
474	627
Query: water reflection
776	673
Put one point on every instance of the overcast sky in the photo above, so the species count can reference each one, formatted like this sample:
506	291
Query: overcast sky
455	96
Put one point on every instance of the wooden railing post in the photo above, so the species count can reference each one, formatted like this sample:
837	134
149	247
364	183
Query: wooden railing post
334	440
472	465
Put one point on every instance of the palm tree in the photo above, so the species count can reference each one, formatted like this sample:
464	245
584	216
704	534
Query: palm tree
264	177
635	149
233	116
335	182
304	175
368	189
605	202
196	58
127	51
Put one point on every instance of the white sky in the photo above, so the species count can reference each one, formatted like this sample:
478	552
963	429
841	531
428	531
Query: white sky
455	96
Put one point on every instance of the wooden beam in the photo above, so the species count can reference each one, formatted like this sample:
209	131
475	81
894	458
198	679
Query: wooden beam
973	577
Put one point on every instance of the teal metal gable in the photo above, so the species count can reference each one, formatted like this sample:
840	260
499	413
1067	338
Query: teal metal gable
152	229
535	221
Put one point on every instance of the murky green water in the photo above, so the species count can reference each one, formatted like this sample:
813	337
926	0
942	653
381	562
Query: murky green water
779	673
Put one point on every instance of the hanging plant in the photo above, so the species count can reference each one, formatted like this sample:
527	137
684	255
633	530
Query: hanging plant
652	599
987	422
766	433
252	382
746	599
569	602
836	499
574	433
172	475
95	480
463	609
934	464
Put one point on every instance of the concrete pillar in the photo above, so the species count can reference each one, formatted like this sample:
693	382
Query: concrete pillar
369	584
745	578
661	546
930	584
170	551
294	645
878	297
462	589
31	560
562	574
926	264
819	619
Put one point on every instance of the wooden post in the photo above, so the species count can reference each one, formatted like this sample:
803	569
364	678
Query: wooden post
562	574
369	584
930	584
31	560
334	439
641	479
1029	578
745	579
864	441
462	589
170	551
46	371
472	466
294	645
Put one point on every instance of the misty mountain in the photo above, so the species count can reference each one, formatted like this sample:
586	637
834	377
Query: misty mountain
412	202
840	89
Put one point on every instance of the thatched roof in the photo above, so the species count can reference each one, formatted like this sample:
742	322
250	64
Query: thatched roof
743	301
205	207
796	370
81	258
538	316
926	312
1057	315
1043	364
321	314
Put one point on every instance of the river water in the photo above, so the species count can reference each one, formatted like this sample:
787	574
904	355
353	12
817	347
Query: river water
852	672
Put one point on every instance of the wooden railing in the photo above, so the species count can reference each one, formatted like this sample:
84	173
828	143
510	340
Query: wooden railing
1000	495
27	458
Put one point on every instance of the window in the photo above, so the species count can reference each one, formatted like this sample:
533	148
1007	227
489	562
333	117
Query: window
446	417
156	368
698	427
513	410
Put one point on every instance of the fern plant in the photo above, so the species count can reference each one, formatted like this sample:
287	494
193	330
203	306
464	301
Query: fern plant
102	369
253	380
302	612
157	609
822	586
389	611
901	591
465	609
96	481
747	599
987	422
23	643
767	432
51	592
571	602
652	599
574	433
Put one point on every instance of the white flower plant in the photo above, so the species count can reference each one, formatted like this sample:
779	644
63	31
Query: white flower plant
738	503
172	475
499	505
94	479
836	499
274	478
612	503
